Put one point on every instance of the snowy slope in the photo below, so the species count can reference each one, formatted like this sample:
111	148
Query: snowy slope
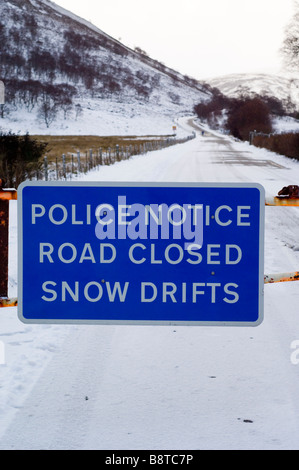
91	387
283	87
50	55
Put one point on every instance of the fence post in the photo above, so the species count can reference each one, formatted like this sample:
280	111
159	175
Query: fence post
251	137
63	166
79	163
46	168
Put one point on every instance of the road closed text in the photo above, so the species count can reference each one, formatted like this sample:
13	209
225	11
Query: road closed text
138	253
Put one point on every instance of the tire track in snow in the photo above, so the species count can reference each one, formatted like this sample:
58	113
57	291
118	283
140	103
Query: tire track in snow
57	412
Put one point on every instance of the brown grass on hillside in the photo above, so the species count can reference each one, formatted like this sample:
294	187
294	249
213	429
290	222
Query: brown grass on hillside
59	145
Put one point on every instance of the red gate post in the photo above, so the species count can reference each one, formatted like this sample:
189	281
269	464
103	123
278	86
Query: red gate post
5	196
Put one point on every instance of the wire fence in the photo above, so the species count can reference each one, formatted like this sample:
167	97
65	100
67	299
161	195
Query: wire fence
70	165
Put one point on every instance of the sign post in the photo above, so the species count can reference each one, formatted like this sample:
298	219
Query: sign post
141	254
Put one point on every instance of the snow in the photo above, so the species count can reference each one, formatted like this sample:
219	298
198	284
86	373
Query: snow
105	119
63	12
119	115
283	87
285	124
159	387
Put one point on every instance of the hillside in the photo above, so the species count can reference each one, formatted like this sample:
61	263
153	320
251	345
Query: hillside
284	88
64	75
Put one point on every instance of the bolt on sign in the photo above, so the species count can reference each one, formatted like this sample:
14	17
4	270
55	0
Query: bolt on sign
2	93
130	253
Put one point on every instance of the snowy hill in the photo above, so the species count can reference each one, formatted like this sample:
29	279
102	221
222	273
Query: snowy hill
64	75
283	88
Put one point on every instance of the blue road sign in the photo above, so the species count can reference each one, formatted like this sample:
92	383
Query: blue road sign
132	253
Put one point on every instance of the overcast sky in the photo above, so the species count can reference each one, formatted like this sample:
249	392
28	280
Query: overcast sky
200	38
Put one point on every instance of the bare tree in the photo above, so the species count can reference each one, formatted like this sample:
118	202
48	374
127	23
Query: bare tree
47	112
66	106
290	47
78	110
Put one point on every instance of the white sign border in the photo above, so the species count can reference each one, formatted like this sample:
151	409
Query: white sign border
121	184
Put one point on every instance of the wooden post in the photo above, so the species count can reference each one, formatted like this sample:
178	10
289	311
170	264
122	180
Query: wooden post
63	166
79	163
46	168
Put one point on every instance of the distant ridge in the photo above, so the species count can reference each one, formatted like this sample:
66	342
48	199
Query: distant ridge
282	87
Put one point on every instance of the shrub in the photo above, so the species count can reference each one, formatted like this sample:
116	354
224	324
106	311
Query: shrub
248	115
213	108
19	155
244	114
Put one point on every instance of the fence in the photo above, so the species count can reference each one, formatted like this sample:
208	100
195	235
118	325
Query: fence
286	144
71	165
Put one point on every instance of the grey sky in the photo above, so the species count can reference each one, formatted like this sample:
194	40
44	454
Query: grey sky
199	38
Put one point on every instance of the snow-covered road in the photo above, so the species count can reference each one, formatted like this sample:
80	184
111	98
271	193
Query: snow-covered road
158	387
